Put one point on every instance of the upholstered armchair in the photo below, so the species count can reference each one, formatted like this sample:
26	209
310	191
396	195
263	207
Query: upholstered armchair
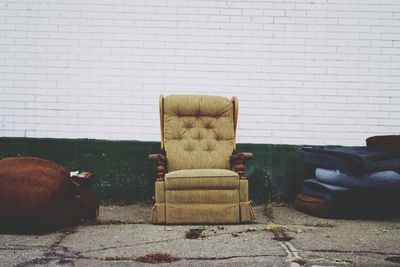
200	180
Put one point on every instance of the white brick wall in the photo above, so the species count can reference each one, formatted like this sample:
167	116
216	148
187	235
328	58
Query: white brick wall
305	72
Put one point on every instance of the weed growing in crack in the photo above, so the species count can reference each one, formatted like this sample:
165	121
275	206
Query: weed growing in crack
156	258
148	258
268	211
279	232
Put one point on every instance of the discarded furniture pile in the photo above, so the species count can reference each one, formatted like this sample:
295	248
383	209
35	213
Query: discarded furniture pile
353	181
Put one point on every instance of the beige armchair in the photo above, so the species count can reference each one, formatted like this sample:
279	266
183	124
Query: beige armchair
199	178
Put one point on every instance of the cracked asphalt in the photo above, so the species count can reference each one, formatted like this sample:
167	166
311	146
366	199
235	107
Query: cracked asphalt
122	234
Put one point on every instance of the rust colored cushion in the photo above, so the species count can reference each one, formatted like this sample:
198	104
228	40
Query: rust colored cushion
38	195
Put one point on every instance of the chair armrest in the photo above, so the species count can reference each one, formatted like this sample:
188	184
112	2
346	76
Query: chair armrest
161	163
242	156
157	157
238	164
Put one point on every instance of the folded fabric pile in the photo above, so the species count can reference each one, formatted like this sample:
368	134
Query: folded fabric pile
353	181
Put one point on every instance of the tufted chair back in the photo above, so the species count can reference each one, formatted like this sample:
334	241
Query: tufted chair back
198	132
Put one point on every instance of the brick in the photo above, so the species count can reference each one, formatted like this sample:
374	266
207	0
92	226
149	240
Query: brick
297	68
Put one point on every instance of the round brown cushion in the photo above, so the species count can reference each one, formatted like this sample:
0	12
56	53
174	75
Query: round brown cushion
38	195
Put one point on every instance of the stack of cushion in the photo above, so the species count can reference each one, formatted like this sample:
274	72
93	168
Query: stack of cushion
353	181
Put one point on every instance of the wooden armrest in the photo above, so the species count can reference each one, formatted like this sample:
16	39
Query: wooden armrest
157	157
242	156
238	162
161	162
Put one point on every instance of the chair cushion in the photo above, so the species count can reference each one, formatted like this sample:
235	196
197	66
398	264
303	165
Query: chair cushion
201	179
202	196
198	131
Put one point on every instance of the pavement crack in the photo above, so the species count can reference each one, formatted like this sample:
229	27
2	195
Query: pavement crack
131	245
33	262
114	222
188	258
292	253
22	247
64	234
65	257
230	257
55	252
166	240
353	251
